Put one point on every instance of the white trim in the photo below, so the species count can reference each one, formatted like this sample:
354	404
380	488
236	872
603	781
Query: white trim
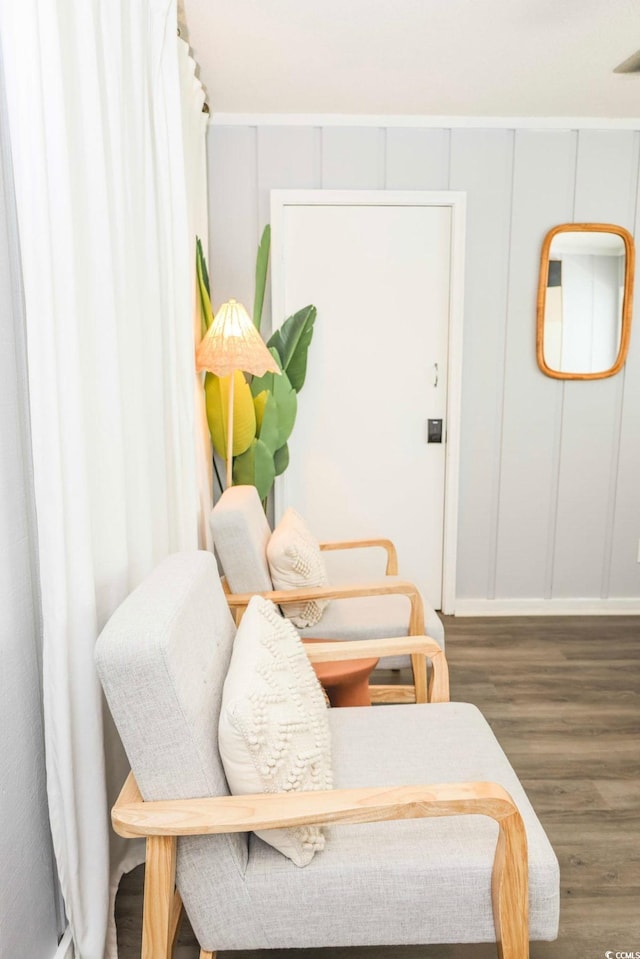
456	201
458	205
65	948
418	120
548	607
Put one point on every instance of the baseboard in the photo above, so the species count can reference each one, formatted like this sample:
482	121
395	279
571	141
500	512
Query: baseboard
548	607
65	946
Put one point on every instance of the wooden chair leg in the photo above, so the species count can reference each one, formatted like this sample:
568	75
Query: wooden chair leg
419	666
438	690
177	912
159	920
207	955
510	890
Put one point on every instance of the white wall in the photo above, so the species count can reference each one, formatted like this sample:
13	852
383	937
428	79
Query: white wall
28	923
550	470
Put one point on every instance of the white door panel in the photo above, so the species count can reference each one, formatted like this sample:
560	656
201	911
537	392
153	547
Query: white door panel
360	463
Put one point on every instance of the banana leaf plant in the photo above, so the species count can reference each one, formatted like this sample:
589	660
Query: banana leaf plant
265	407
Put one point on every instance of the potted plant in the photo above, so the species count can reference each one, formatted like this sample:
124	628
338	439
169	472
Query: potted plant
265	407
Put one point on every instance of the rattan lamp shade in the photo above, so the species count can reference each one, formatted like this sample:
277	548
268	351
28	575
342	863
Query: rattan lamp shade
233	343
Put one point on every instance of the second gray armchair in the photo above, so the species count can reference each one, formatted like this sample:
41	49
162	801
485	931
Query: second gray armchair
387	607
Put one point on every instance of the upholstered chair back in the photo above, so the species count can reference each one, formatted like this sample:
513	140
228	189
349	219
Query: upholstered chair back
162	659
240	535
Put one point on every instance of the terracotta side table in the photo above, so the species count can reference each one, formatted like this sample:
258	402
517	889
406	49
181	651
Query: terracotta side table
346	682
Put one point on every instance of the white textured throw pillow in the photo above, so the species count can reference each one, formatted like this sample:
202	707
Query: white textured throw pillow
295	561
273	730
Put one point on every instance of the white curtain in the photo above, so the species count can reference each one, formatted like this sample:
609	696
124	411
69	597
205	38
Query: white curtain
96	105
194	128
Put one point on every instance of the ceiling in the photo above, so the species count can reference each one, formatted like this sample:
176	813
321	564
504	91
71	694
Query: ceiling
512	58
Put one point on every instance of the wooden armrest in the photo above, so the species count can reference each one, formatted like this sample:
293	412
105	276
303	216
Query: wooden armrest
381	587
378	587
337	650
227	814
162	822
423	646
386	544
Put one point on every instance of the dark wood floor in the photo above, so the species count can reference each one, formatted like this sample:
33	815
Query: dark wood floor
563	697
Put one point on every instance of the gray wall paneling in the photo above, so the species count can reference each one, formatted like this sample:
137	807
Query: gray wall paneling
624	570
544	164
549	503
233	213
353	158
591	410
417	159
482	164
288	158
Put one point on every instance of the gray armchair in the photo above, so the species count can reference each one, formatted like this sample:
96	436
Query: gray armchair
390	606
432	838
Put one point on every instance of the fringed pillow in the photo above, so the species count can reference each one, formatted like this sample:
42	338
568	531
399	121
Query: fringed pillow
295	561
273	730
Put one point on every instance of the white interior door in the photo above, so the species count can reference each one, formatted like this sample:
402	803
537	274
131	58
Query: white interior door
361	466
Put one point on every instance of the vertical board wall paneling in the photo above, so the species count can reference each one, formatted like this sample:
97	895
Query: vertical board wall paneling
544	164
482	164
353	158
549	495
417	159
233	211
592	409
624	572
288	158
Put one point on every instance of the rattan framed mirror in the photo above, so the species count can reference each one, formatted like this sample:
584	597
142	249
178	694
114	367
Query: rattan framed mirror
585	295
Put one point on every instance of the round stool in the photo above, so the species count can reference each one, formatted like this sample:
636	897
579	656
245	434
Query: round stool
347	681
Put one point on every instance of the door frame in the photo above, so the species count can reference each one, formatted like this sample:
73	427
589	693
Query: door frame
456	202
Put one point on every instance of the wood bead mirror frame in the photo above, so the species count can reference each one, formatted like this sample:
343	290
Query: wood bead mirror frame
584	303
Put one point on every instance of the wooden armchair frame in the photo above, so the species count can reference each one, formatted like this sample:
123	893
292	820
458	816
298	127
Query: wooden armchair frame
162	822
418	692
432	683
385	544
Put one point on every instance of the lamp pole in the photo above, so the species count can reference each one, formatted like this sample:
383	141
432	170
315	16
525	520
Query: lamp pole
232	381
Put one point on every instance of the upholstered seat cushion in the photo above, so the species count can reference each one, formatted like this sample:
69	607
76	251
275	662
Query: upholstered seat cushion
415	881
374	617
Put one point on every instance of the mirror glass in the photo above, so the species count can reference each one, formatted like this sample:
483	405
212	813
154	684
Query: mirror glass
584	300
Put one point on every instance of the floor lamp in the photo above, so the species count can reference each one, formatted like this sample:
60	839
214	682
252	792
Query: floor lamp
233	343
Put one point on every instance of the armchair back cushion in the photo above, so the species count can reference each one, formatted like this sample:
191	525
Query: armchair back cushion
162	659
240	535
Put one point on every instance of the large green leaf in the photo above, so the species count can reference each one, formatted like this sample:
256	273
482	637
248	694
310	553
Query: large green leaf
262	264
255	468
203	286
281	459
292	343
201	257
284	397
216	390
267	419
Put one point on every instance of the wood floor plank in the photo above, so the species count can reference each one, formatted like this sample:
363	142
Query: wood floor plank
563	696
